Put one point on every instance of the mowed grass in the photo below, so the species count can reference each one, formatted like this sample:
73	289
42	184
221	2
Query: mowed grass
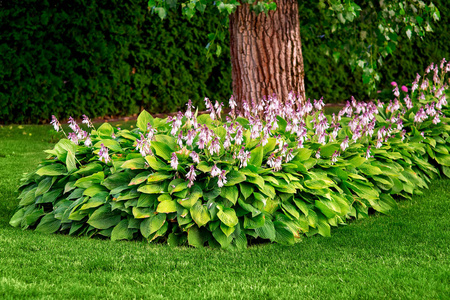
401	255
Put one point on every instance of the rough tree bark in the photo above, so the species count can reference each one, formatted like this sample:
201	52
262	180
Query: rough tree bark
266	53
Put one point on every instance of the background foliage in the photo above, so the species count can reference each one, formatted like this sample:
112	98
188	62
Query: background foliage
115	58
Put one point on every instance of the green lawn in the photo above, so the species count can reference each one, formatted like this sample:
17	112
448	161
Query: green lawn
402	255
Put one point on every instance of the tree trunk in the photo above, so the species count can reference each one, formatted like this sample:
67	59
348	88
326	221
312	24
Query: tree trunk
266	53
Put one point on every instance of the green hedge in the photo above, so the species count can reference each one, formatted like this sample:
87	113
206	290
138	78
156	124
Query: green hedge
115	58
101	58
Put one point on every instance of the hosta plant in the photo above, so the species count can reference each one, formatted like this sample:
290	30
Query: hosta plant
277	172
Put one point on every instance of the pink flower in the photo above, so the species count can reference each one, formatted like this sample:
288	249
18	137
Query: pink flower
174	161
404	88
103	154
222	179
191	176
393	83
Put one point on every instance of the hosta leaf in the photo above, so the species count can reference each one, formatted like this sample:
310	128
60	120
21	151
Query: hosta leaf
116	180
162	150
151	188
96	201
134	164
17	218
267	231
323	227
234	177
87	181
143	119
179	187
283	234
142	212
121	231
370	170
28	198
110	144
105	130
167	206
230	192
157	177
227	230
89	169
255	222
200	214
257	180
156	164
43	186
195	194
228	217
52	170
256	157
104	218
246	189
220	237
195	238
140	178
48	224
152	224
290	209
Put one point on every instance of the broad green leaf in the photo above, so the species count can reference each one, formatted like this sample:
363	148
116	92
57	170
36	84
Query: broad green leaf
28	198
256	156
93	190
195	238
303	154
227	230
167	206
195	194
443	159
283	234
155	163
162	150
43	186
179	187
52	170
255	222
220	237
116	180
121	231
48	224
234	177
228	217
17	218
157	177
87	181
142	212
200	214
96	201
134	164
271	144
357	161
105	130
370	170
71	162
143	119
104	218
290	209
246	189
89	169
110	144
155	188
140	178
267	231
258	180
230	192
152	224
